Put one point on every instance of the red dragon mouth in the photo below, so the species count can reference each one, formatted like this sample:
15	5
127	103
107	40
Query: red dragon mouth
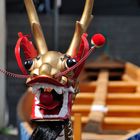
52	99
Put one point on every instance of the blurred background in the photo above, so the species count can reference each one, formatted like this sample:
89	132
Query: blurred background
118	20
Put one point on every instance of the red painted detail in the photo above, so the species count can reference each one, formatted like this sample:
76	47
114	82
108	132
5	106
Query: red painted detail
98	40
28	49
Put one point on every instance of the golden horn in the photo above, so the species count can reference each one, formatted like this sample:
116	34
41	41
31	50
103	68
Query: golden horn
81	27
35	27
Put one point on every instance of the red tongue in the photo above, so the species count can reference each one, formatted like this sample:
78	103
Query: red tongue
46	99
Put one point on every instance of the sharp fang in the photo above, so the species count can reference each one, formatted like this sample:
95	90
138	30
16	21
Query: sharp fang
71	89
58	90
34	90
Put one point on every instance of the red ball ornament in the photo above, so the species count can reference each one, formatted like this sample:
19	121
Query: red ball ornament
98	40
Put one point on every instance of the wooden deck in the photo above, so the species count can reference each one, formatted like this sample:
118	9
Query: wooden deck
109	109
104	109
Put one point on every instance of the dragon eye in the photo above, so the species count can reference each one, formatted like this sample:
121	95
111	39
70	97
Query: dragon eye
70	62
28	64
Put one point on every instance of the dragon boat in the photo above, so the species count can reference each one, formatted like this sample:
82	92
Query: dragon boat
107	107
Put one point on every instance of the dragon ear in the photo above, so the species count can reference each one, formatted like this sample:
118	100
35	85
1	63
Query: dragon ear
29	51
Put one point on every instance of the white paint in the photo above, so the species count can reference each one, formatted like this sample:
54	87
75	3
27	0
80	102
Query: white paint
3	113
100	108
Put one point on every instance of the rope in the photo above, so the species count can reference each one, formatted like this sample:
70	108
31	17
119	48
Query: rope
20	76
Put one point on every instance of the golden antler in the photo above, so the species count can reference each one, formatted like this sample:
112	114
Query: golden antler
81	27
36	28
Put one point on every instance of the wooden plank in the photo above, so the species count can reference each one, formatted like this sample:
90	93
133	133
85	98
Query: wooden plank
101	92
96	117
113	110
116	120
123	111
77	126
116	123
123	108
131	70
121	120
84	98
87	86
119	86
95	74
87	98
104	65
121	83
84	120
91	96
127	78
121	127
90	136
113	86
123	99
138	74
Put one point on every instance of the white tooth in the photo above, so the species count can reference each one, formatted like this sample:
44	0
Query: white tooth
38	92
71	89
58	90
46	86
36	86
34	91
53	87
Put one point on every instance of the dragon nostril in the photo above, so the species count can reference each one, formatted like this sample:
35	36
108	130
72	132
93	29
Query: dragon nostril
28	64
70	62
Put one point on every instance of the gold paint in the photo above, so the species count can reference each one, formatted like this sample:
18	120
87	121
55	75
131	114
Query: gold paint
87	14
37	63
74	46
81	27
45	69
35	26
39	39
54	71
34	72
64	80
50	63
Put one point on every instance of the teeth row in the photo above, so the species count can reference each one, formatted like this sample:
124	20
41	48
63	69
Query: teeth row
58	89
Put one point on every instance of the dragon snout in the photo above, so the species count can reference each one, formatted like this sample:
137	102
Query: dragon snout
47	69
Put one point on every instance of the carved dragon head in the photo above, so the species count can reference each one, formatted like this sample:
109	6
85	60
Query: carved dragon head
53	75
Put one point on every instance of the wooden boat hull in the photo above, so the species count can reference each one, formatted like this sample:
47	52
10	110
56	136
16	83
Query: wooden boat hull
122	103
23	116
